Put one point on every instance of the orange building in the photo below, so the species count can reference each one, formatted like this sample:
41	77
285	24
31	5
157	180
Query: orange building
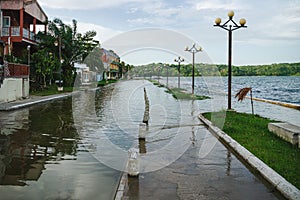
19	24
111	63
20	20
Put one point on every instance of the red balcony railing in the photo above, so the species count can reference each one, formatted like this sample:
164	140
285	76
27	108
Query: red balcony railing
16	70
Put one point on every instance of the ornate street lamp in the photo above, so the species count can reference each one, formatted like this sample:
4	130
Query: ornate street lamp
193	50
179	60
230	26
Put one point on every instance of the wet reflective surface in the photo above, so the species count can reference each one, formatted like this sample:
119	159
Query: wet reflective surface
42	157
56	150
278	88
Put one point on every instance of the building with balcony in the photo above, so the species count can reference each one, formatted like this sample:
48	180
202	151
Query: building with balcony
19	23
111	63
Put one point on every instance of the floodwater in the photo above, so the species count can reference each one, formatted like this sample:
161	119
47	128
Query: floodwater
75	148
42	157
278	88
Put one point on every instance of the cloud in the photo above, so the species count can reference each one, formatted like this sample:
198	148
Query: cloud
281	26
132	10
218	5
84	5
103	33
156	13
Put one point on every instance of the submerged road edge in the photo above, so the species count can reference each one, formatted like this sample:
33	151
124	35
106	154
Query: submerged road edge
281	184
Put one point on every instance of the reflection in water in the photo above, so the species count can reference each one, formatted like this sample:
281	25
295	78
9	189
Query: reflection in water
228	161
142	146
133	185
26	147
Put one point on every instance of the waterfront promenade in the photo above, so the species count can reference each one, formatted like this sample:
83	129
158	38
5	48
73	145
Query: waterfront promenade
197	174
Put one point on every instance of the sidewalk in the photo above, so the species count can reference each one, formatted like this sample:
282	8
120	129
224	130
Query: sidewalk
32	100
218	175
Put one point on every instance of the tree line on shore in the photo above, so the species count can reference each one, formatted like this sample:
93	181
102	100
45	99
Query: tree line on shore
160	69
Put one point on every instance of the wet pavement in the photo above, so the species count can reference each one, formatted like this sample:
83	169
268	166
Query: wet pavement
42	156
31	100
69	164
218	175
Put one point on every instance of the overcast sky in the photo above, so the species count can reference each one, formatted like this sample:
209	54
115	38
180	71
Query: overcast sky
272	35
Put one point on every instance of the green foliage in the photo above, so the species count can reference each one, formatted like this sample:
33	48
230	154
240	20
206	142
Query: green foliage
93	60
50	90
251	131
202	69
106	82
179	93
281	69
45	64
75	47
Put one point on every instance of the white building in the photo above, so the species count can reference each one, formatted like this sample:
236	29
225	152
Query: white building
86	76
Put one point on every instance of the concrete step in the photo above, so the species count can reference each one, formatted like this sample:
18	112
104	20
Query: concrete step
286	131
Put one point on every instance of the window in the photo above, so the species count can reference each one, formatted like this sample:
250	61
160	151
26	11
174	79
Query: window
6	21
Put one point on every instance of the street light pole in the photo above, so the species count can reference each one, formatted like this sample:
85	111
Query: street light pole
59	52
179	60
167	74
158	68
59	44
233	26
28	56
193	50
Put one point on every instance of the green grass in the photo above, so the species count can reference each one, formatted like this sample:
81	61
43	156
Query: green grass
155	82
50	90
251	131
179	93
104	82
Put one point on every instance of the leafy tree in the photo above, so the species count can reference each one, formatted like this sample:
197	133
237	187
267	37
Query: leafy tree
93	60
44	65
75	47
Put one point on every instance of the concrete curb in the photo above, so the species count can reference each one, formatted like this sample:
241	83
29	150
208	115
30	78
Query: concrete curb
282	185
288	105
121	187
14	105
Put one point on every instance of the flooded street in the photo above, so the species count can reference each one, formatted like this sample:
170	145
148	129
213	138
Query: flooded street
76	148
42	157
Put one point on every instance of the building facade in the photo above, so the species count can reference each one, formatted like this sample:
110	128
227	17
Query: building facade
20	20
19	24
111	63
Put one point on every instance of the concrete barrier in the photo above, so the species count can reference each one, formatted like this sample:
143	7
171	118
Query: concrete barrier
288	105
288	190
286	131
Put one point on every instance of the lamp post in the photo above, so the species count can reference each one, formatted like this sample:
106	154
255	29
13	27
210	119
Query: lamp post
193	50
59	44
28	56
150	75
158	71
167	73
230	26
179	60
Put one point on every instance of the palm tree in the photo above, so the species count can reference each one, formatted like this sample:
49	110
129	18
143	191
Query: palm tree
242	95
75	47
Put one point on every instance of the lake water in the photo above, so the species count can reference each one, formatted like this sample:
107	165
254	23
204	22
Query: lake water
277	88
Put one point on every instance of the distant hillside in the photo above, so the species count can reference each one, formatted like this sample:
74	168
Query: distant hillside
280	69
